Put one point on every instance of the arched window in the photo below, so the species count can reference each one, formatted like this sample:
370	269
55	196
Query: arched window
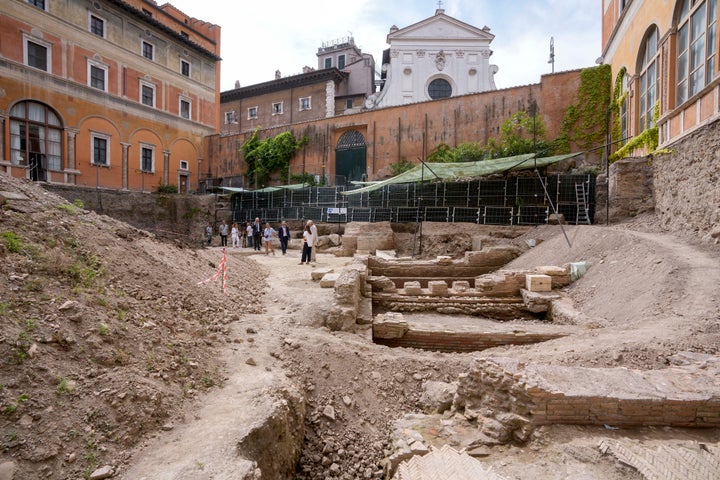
439	88
35	138
696	39
648	80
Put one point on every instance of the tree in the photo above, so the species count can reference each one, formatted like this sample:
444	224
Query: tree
272	155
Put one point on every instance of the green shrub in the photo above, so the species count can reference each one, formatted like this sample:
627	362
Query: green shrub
167	188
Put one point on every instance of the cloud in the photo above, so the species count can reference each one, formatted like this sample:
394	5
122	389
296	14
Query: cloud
261	37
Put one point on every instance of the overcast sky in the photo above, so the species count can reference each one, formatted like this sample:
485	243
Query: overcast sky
260	37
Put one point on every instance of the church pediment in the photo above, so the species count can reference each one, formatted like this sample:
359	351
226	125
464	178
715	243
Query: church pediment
441	26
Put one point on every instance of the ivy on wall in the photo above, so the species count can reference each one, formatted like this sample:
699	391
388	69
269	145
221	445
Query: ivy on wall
648	139
270	156
585	121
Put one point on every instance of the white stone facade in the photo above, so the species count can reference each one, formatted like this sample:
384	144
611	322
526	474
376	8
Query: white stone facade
440	48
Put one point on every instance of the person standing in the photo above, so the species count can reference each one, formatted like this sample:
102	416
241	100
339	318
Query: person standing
284	236
257	234
223	234
249	233
308	242
235	235
208	233
313	229
268	235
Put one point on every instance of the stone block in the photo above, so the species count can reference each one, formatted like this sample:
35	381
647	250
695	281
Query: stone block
444	260
412	288
538	283
438	287
347	288
319	273
328	280
382	284
389	325
387	254
461	285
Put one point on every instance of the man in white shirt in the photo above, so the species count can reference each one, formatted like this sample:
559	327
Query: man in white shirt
314	231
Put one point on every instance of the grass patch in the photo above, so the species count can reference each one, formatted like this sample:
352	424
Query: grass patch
12	242
70	208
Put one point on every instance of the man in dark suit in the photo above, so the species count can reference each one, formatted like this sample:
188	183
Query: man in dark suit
284	236
257	234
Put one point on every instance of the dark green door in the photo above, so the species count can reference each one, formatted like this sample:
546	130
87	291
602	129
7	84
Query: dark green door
350	158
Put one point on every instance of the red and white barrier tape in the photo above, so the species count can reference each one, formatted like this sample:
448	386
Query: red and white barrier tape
221	273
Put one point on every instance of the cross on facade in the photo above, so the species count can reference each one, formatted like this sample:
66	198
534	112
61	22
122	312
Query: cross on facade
440	4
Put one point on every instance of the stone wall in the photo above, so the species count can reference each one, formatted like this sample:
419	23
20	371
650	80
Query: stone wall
687	197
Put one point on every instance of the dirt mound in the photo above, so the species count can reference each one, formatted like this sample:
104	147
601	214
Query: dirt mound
105	332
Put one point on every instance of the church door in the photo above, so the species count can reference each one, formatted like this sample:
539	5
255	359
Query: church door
350	160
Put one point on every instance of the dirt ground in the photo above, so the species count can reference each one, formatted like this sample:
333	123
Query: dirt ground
112	355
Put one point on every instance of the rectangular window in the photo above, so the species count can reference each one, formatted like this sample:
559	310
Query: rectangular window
147	12
147	163
230	117
184	35
100	154
328	63
252	113
185	111
97	75
97	26
277	108
147	94
185	68
341	61
348	103
183	165
37	55
148	50
305	103
37	3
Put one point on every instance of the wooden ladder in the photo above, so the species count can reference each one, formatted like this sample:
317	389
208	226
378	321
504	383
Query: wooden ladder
581	214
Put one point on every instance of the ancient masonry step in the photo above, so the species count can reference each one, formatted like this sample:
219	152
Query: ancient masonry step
683	396
444	463
447	341
696	461
392	330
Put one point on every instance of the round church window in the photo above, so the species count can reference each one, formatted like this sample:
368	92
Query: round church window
439	88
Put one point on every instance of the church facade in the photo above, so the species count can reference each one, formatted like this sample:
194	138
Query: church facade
438	57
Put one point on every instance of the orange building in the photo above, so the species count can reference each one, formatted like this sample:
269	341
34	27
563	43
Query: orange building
109	94
664	56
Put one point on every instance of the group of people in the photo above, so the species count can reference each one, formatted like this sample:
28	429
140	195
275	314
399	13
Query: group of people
253	235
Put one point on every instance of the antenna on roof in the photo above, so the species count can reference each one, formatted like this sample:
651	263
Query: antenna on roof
552	54
440	7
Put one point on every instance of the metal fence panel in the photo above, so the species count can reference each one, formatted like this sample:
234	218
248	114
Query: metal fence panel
408	214
437	214
465	214
360	214
532	215
497	215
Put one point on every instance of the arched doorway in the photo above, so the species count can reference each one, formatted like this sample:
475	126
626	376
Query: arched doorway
350	157
35	139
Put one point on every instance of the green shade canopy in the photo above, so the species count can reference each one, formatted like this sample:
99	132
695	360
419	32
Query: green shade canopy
449	171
